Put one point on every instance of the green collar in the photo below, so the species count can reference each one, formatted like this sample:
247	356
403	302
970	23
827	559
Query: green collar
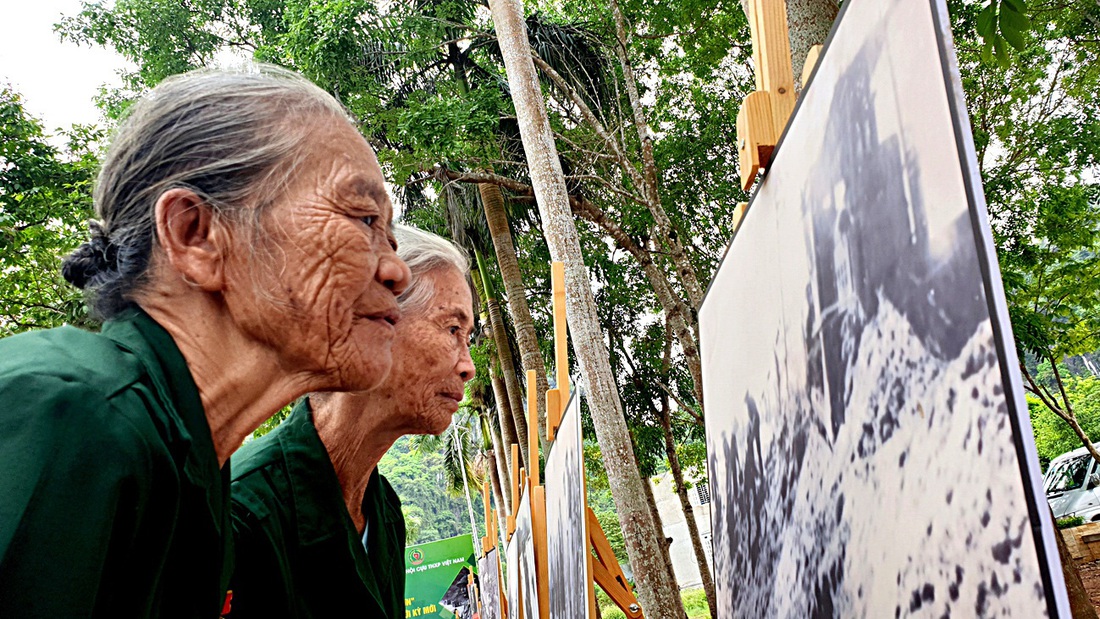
136	332
321	514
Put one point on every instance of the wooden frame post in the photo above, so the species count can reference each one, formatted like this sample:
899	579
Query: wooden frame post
765	112
561	349
487	542
538	505
516	485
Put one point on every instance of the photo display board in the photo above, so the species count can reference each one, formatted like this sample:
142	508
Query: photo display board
488	567
869	447
566	520
521	566
436	578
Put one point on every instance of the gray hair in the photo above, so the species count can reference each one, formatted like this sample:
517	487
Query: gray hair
232	137
425	252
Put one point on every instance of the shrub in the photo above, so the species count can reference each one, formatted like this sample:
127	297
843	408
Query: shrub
1069	522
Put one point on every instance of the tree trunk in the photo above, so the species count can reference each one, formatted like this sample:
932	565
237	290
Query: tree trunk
681	319
499	472
689	512
677	313
513	393
666	542
530	356
507	429
808	24
508	371
658	596
1079	604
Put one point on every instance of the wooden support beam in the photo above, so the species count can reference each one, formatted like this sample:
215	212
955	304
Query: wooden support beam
532	430
515	474
542	559
768	21
553	402
487	542
811	62
765	112
561	346
606	570
739	213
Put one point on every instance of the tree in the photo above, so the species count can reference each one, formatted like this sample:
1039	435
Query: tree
497	219
1054	437
45	200
659	596
1038	146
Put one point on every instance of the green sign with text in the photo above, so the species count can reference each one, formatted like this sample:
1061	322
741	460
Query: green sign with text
436	578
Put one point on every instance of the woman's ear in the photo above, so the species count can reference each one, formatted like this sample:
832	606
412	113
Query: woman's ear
194	240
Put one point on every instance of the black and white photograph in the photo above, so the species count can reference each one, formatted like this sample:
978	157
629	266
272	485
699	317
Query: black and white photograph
457	599
869	447
513	574
566	522
521	566
488	567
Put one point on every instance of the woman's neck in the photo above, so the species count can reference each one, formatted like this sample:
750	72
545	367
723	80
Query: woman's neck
357	430
240	381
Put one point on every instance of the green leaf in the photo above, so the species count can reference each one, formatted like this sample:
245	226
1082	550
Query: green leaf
1000	49
986	21
1013	26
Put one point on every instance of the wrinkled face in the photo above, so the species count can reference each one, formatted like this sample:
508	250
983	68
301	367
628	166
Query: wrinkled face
432	356
317	284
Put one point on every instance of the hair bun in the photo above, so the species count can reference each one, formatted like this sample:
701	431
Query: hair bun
92	258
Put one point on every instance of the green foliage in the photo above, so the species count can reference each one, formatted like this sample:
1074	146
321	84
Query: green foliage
1069	522
1038	144
420	481
45	200
1002	23
273	421
1053	436
695	604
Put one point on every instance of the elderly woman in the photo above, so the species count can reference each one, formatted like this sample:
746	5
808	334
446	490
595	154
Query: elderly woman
244	256
319	532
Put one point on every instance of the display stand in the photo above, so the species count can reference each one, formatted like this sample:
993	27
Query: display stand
602	564
764	113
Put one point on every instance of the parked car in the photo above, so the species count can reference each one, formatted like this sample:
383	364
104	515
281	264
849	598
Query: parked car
1072	485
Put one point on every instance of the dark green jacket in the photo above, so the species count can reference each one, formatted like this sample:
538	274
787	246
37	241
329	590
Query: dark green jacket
298	552
111	500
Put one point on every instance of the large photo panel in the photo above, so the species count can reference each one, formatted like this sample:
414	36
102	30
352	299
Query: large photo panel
489	569
868	444
522	581
566	520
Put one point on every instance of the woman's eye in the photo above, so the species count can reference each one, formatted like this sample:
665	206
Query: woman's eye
454	330
369	219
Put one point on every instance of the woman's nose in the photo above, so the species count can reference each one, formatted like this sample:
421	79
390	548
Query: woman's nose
393	272
466	368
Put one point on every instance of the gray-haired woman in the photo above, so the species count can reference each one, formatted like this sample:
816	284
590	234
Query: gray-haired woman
318	530
243	257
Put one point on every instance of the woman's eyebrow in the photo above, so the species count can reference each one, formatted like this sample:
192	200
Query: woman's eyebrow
461	315
365	187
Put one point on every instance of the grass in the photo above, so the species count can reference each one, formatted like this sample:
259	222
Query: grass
695	603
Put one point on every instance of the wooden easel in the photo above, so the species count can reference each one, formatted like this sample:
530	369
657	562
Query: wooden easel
602	564
765	112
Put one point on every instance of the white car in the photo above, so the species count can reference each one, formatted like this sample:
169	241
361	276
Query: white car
1072	485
